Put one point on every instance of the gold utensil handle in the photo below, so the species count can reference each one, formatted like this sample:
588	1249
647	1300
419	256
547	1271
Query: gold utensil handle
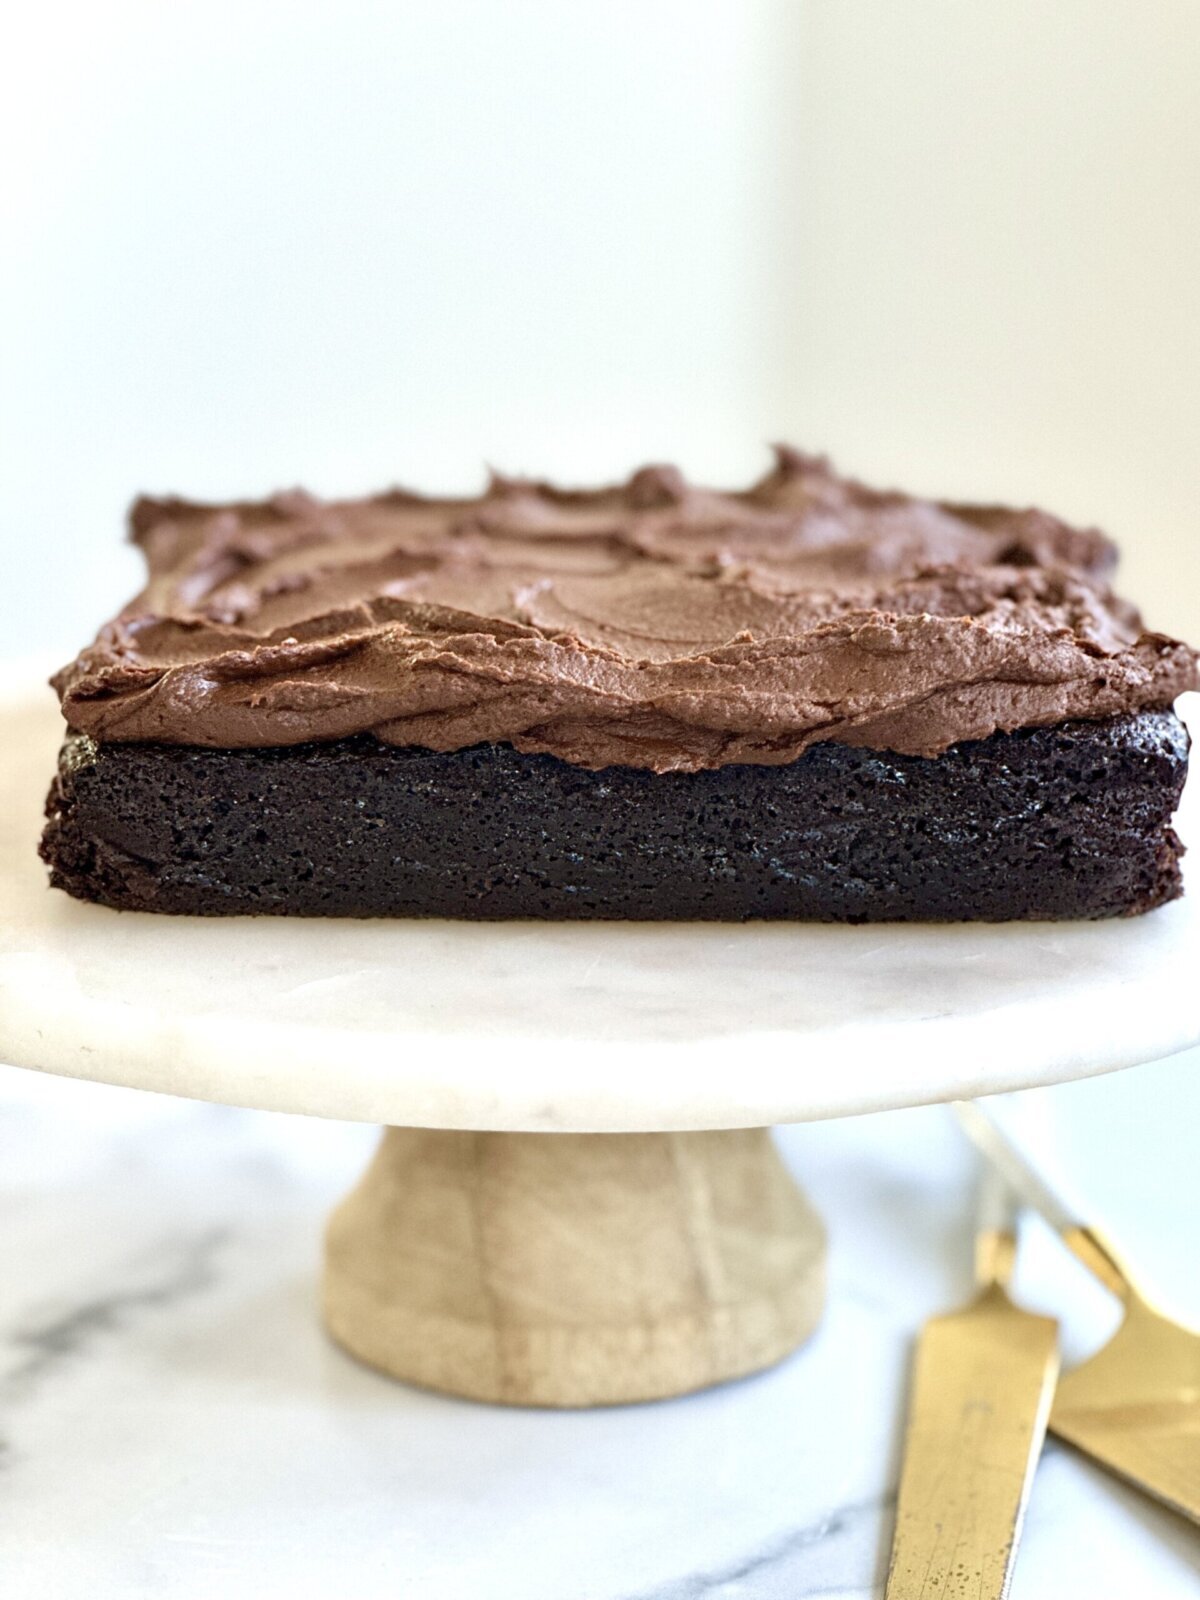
995	1228
1086	1243
1098	1256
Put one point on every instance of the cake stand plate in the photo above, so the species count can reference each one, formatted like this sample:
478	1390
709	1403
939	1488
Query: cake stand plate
485	1258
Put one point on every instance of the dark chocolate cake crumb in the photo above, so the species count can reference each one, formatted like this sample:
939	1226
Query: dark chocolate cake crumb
1066	821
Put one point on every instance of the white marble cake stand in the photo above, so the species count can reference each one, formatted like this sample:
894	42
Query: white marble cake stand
486	1258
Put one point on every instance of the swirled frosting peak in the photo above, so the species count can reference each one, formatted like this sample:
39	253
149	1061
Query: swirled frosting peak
652	624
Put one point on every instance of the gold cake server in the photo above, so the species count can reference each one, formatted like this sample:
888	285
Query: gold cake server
1135	1405
983	1381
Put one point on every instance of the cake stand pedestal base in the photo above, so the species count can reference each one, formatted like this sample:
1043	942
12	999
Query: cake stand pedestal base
573	1269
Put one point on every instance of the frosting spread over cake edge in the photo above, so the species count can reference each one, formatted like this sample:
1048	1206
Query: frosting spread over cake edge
652	624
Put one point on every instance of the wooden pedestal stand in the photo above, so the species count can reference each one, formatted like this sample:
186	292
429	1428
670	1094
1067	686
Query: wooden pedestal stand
573	1269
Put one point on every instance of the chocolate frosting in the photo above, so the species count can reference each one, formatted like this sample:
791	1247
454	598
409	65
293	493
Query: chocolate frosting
653	624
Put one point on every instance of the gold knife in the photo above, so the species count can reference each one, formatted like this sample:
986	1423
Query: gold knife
1135	1405
982	1385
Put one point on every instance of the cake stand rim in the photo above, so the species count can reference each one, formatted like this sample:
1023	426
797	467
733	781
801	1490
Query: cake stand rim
581	1084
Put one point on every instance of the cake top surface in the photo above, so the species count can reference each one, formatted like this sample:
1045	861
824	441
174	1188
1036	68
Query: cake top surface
651	624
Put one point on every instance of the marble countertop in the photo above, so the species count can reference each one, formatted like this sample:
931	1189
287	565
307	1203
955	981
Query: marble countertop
173	1423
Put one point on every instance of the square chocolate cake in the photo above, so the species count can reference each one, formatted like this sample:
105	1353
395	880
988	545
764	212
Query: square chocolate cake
808	699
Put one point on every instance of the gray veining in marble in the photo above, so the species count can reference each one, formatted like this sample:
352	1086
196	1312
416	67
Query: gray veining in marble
158	1279
177	1426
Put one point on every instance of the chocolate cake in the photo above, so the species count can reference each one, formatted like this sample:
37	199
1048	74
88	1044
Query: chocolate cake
808	699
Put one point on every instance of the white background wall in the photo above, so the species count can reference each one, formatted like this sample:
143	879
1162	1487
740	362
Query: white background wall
248	244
